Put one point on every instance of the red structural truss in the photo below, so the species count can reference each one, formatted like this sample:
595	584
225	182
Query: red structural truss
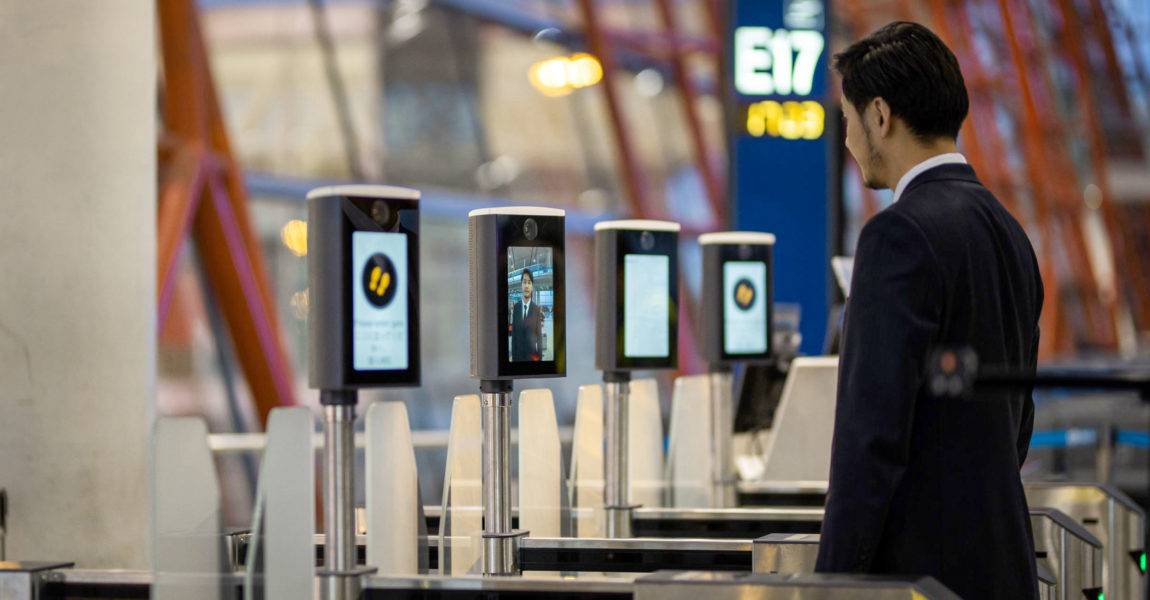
1049	112
201	194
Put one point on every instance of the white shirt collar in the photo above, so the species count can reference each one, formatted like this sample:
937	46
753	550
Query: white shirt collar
950	158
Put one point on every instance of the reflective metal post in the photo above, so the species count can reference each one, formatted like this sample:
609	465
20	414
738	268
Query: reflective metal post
616	494
722	430
340	578
500	542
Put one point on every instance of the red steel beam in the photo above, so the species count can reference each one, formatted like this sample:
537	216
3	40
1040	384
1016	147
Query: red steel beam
634	182
225	239
660	45
1053	319
689	96
1126	260
180	191
1102	311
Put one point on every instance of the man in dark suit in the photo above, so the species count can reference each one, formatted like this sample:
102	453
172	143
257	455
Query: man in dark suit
526	323
920	485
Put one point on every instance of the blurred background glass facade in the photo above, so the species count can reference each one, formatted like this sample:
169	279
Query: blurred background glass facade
459	99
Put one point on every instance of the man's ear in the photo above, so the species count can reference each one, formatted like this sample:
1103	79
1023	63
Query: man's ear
882	116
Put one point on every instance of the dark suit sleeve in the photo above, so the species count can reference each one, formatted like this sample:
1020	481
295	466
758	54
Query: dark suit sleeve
537	323
516	333
892	321
1026	427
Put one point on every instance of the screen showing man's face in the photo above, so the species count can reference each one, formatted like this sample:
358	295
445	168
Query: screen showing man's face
530	301
527	287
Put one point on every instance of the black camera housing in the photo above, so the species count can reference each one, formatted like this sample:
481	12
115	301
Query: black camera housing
615	241
748	251
491	233
335	215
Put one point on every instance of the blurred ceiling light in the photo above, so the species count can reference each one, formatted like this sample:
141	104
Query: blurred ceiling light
584	70
649	82
294	236
561	75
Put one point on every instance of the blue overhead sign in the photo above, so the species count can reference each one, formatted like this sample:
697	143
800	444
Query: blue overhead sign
780	149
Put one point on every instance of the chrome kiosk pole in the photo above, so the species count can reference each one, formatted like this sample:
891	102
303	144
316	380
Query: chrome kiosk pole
616	495
500	542
636	327
722	451
363	331
340	575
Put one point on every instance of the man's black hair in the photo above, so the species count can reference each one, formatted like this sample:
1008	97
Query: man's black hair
907	65
528	275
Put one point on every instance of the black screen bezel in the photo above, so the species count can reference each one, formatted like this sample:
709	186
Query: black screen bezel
550	234
745	253
666	243
356	213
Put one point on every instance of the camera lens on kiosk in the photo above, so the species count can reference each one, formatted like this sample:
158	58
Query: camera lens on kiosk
530	229
380	212
647	240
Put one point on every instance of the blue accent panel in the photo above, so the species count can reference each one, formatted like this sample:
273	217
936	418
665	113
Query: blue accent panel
1064	438
781	185
1138	439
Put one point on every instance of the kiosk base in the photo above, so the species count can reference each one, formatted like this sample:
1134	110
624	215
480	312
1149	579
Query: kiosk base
619	520
337	585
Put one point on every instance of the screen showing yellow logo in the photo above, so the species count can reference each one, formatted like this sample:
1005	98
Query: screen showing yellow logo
379	280
744	294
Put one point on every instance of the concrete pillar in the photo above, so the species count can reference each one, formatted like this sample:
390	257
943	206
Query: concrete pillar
77	277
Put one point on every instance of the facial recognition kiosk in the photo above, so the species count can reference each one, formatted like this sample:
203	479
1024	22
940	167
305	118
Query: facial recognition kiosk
363	331
517	332
736	329
637	327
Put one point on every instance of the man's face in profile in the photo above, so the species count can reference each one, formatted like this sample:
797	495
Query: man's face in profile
528	287
860	144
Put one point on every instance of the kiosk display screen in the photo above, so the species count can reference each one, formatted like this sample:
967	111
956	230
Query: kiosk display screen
745	328
646	305
530	304
379	301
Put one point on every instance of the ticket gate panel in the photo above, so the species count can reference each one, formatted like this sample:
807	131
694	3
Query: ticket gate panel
1071	553
799	442
1113	518
798	553
690	585
529	585
785	553
725	523
1047	584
